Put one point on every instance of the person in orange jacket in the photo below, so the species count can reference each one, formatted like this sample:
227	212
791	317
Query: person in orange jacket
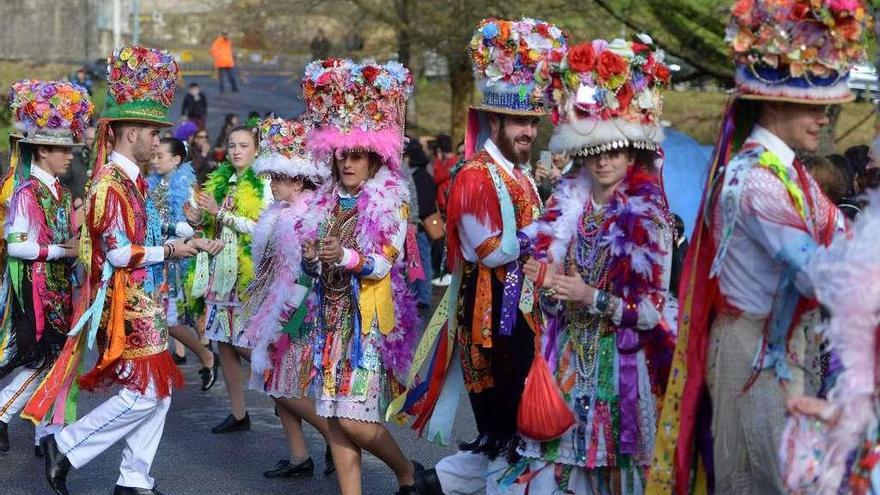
224	61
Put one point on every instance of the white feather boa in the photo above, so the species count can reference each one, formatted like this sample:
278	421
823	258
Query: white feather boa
288	225
569	197
846	276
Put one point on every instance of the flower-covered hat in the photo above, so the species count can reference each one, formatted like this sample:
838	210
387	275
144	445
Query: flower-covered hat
50	112
283	150
504	55
140	85
797	50
357	106
605	95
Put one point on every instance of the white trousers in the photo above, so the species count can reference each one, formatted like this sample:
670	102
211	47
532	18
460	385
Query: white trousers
15	395
466	473
137	418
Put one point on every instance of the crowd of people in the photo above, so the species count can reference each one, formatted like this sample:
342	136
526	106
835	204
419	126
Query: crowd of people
599	349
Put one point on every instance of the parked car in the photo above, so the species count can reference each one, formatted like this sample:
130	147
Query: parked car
863	81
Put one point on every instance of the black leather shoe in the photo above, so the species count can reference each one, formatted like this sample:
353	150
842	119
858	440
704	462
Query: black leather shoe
4	437
231	424
57	465
284	469
38	452
329	467
427	483
209	375
130	490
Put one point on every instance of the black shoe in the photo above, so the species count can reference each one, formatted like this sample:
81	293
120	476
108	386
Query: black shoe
209	375
284	469
4	437
38	452
131	490
178	359
427	482
231	424
407	490
57	465
329	467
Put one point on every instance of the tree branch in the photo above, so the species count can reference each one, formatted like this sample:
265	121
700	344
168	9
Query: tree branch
712	71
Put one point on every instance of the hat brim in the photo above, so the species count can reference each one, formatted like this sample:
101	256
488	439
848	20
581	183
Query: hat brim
506	111
791	99
135	120
48	142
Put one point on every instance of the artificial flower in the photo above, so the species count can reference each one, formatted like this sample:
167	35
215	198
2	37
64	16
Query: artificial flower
582	57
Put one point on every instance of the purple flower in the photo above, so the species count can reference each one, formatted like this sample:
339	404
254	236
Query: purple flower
48	91
54	122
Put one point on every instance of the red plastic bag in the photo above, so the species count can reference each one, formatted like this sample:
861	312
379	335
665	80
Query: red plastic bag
543	414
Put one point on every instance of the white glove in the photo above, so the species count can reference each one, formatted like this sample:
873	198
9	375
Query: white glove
183	231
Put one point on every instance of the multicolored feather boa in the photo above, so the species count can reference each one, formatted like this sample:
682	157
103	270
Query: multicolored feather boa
180	184
248	202
636	214
379	204
287	225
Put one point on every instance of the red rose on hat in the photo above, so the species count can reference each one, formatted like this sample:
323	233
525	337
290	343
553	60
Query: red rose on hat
624	97
610	65
370	72
582	58
662	73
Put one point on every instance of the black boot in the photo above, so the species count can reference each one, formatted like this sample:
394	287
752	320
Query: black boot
57	465
329	467
38	452
231	424
284	469
427	482
130	490
4	437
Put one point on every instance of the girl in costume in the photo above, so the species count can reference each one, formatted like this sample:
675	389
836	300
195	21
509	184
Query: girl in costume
282	364
171	186
228	208
366	320
604	253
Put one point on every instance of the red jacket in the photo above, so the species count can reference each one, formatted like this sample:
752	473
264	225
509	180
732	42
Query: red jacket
443	179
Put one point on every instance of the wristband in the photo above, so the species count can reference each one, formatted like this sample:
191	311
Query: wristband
43	254
601	301
368	266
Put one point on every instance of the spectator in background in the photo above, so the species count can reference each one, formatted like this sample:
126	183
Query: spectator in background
224	60
426	199
230	121
77	174
202	157
679	250
82	78
320	46
444	161
831	180
850	205
548	174
860	159
195	105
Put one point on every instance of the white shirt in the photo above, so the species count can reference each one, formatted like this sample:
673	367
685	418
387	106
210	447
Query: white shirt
750	273
21	224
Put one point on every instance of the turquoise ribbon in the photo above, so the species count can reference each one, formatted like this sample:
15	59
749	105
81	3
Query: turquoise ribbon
95	310
509	242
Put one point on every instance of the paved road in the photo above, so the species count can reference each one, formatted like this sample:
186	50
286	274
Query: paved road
259	93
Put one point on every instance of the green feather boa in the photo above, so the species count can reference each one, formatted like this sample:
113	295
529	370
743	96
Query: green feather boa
248	202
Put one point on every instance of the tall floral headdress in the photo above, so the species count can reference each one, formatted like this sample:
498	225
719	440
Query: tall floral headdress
283	150
50	112
357	106
797	50
140	85
605	95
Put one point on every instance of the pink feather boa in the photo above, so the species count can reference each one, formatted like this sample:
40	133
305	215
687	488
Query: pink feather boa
287	224
379	217
387	143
